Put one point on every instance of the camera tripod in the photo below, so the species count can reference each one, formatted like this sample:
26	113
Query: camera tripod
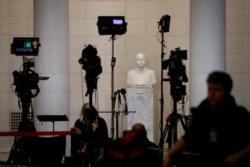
22	147
26	83
170	129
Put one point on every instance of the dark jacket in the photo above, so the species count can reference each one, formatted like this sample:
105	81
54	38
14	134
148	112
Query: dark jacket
95	138
218	134
90	143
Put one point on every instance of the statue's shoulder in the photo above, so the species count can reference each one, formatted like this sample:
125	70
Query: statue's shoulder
132	71
149	70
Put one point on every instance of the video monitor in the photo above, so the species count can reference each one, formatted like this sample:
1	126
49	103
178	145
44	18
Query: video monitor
25	46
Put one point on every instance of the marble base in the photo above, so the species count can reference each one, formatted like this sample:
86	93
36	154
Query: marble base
140	108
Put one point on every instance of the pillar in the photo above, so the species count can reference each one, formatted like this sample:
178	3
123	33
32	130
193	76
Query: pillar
51	25
207	44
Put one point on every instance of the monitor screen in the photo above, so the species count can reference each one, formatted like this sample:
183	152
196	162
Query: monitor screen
25	46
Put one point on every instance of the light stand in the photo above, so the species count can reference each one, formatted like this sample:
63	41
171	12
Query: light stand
164	27
112	25
162	96
114	114
117	113
113	61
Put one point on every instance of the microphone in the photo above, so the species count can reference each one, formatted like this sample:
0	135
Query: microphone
114	99
119	97
123	92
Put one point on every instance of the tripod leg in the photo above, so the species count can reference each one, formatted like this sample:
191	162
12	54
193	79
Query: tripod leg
19	153
183	123
12	155
173	126
171	136
163	135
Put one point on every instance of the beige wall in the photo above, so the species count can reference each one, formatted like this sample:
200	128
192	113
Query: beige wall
141	36
142	16
238	48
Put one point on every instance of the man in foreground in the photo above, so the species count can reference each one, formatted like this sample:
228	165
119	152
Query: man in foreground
219	131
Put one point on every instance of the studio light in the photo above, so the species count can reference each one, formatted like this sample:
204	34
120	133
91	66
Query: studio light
111	25
164	23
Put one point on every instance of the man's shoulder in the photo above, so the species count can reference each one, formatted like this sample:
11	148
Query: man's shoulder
204	105
153	145
243	110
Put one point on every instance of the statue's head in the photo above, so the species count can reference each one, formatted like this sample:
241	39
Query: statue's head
140	60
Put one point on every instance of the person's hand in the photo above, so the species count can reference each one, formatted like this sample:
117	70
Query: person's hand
230	161
76	131
167	161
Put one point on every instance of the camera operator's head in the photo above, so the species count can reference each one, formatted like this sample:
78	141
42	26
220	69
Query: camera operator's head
88	113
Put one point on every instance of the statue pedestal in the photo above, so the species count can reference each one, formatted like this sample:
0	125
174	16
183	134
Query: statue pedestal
140	108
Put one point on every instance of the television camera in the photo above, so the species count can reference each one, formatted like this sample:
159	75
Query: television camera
26	87
26	81
176	72
91	63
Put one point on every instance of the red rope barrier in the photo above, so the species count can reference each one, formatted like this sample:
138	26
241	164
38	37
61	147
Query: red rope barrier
42	133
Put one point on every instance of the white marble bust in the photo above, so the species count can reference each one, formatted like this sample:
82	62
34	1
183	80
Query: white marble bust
141	76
